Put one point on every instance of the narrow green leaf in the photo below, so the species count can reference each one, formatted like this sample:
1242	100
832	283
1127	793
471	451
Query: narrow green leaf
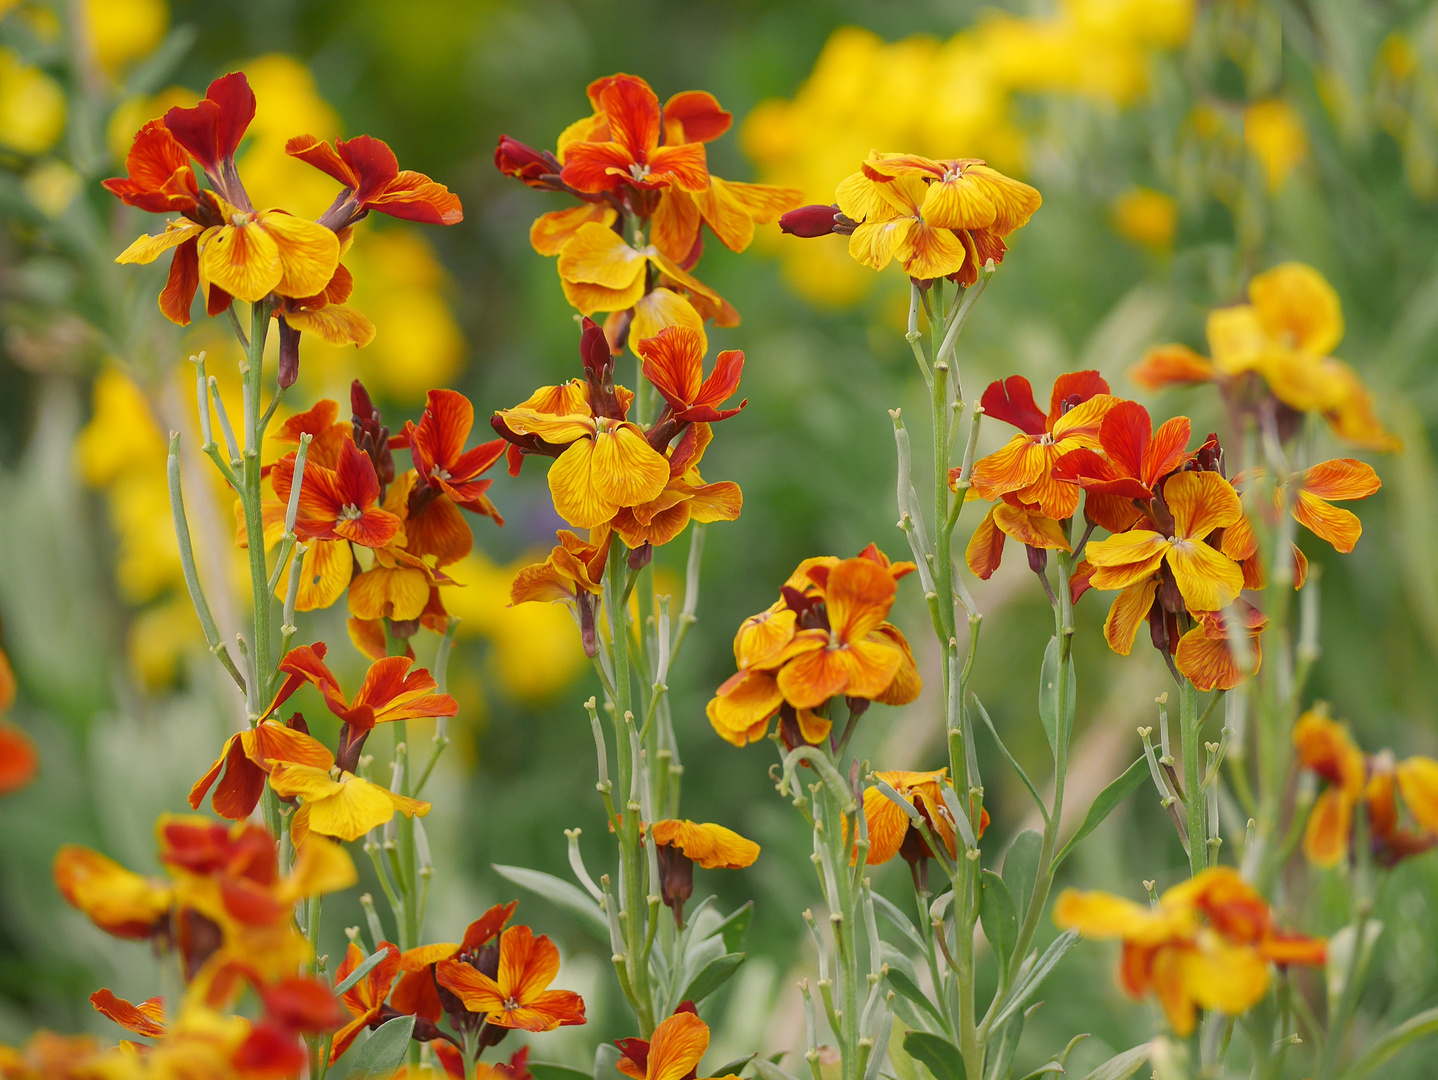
1130	781
1041	971
1021	867
712	976
543	1070
1000	921
769	1070
735	1067
1000	1058
606	1062
734	927
1049	694
562	894
901	922
941	1057
1013	762
366	966
381	1054
1121	1066
1390	1042
1044	1070
909	991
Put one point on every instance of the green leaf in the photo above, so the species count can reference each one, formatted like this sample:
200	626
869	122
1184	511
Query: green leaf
1000	921
606	1062
543	1070
381	1054
901	922
735	1067
1013	762
366	966
941	1057
1001	1052
1130	781
909	991
734	927
1021	867
1049	694
771	1071
1390	1042
560	893
712	976
1121	1066
1041	971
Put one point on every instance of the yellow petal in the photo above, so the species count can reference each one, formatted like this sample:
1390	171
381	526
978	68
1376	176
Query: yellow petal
244	260
147	249
337	324
665	307
571	485
626	470
597	255
1208	579
875	242
309	252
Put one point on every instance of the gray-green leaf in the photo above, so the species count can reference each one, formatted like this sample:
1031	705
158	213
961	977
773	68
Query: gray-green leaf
543	1070
1390	1042
1049	694
1121	1066
941	1057
909	990
1130	781
999	919
562	894
735	926
1021	868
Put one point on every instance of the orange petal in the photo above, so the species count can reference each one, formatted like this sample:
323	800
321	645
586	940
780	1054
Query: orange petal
1208	579
551	231
679	1041
986	548
1128	612
1201	502
1418	781
1168	365
741	710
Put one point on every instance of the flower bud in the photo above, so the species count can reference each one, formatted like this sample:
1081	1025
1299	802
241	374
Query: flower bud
289	369
810	221
514	158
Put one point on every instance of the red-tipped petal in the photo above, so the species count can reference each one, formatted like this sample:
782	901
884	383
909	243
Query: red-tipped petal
1012	401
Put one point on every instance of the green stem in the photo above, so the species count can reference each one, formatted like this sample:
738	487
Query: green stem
1190	741
251	496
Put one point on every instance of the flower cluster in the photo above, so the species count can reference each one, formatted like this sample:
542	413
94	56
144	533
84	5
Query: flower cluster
381	536
827	636
943	218
1207	943
640	170
1373	782
613	476
226	249
1182	547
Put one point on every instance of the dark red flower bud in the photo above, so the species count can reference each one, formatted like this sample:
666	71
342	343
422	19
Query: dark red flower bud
599	371
514	158
371	436
810	221
289	369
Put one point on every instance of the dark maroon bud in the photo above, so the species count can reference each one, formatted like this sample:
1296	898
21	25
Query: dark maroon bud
516	159
370	435
297	723
1038	559
676	878
599	371
289	369
810	221
639	557
588	633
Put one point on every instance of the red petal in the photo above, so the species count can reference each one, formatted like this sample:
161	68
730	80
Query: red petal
1012	401
439	439
723	381
698	116
587	165
633	112
179	292
355	477
1166	451
236	100
1125	434
320	154
372	161
1072	389
413	196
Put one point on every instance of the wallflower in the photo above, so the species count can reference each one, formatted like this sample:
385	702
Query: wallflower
1146	217
1281	338
826	637
372	180
572	574
892	832
338	803
673	1050
1274	134
1208	943
633	156
341	503
517	996
680	844
375	999
246	760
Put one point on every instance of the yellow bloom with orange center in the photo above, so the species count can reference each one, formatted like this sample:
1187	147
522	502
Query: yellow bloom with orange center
1200	502
891	830
1207	943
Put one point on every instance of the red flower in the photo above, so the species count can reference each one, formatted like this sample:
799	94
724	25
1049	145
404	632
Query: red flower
368	169
634	156
161	179
390	690
443	464
1135	458
340	503
212	130
673	362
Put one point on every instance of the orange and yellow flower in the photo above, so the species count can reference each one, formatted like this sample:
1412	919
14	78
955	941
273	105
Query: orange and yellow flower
680	844
1208	943
891	830
671	1053
518	995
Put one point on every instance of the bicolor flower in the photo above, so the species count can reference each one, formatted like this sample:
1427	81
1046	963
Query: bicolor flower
373	180
1024	467
118	901
680	844
891	830
1208	943
246	760
341	503
1200	503
1205	655
1130	461
633	157
147	1018
518	995
212	129
672	1052
1326	749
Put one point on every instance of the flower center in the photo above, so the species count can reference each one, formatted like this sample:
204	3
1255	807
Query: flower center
638	171
510	1004
351	512
440	473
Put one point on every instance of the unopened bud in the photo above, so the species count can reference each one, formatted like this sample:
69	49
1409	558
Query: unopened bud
809	221
289	369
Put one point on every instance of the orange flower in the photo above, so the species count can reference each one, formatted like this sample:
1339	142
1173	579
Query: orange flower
1133	460
1204	655
891	832
246	760
1200	503
1340	479
1029	527
340	503
119	902
1325	747
372	179
671	1053
518	995
1024	468
146	1018
674	363
365	1000
834	627
680	844
1207	943
390	691
686	497
445	468
633	158
254	253
417	991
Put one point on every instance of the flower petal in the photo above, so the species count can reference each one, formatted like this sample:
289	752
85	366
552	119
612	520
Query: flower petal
1128	612
1201	502
1208	579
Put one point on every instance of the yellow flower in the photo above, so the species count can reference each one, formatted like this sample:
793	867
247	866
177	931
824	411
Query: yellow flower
1274	134
1146	217
338	803
122	31
32	106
